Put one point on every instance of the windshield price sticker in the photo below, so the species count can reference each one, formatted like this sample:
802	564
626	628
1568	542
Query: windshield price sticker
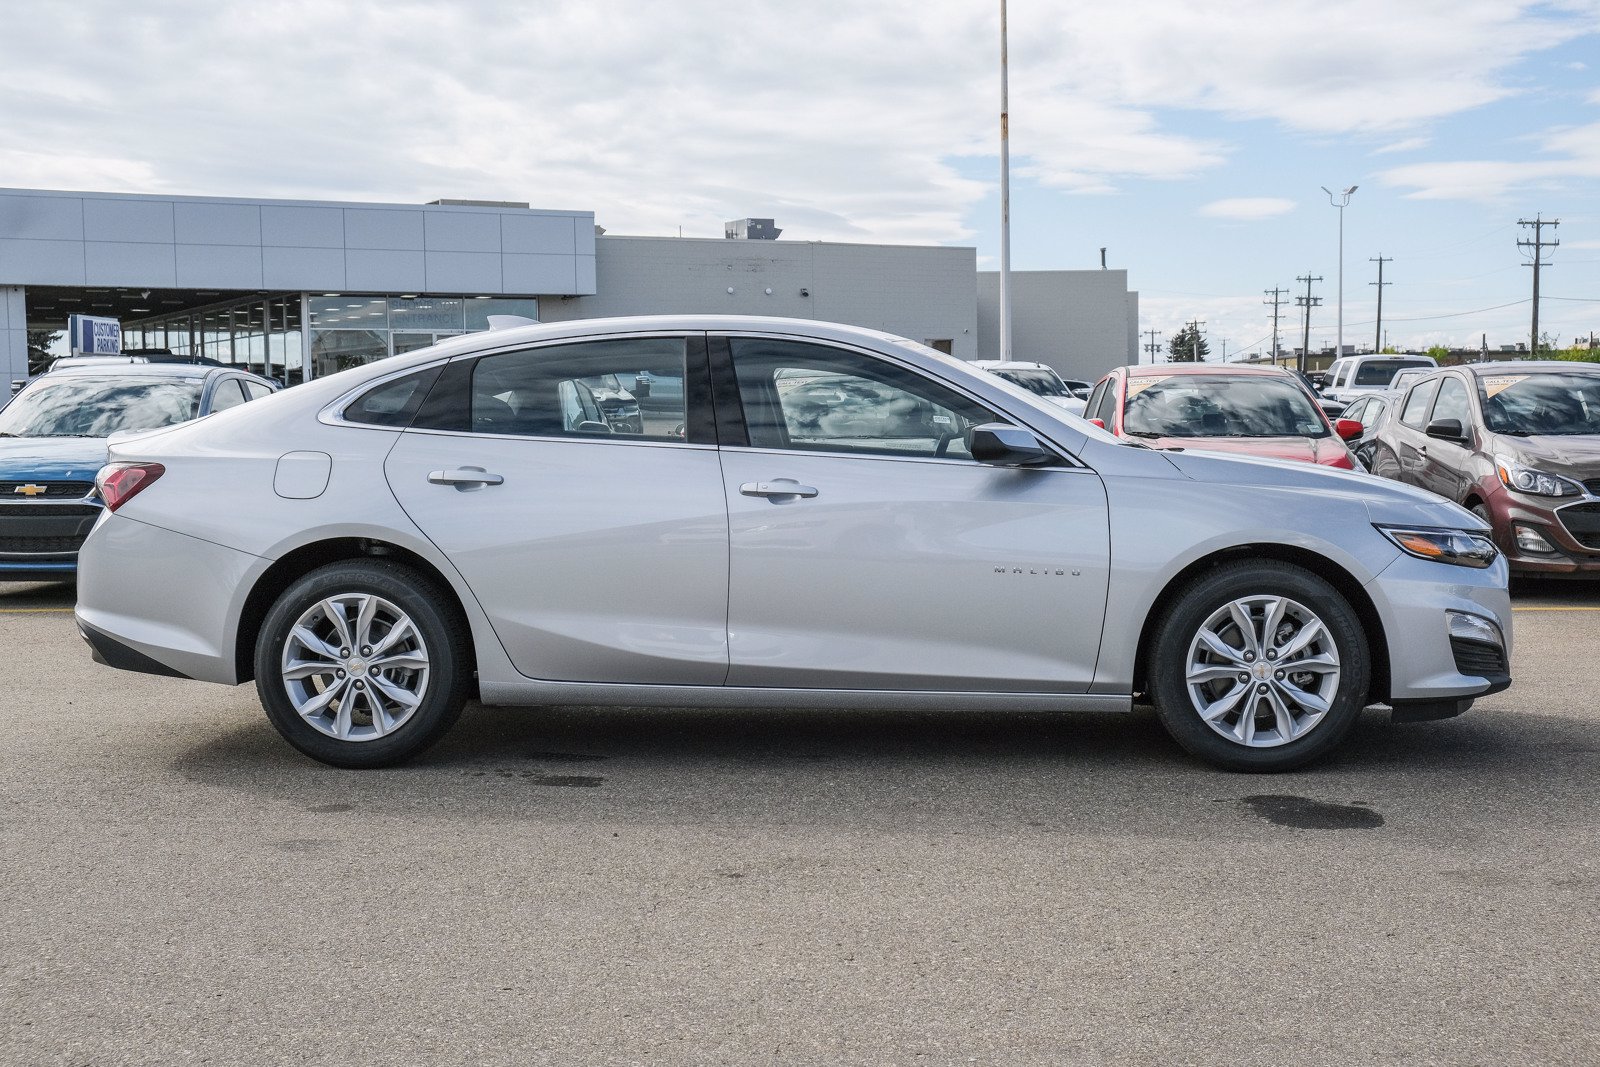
1491	386
1139	385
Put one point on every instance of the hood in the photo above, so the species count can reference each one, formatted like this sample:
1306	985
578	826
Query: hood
1386	501
1576	455
66	459
1301	449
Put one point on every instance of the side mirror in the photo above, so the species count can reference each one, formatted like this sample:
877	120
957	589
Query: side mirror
641	387
1446	430
1006	446
1099	422
1347	429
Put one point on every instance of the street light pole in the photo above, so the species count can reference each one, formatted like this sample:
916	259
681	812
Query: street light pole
1005	193
1344	199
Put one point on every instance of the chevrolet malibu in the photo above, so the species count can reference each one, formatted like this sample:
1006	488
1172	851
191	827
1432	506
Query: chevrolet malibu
377	547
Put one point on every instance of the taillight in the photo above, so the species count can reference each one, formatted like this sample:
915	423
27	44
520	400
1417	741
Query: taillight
119	483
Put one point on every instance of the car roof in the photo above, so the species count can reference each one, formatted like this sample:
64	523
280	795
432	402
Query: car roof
1015	364
169	371
1528	366
1146	370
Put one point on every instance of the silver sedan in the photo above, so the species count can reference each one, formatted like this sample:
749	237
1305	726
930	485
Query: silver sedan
808	515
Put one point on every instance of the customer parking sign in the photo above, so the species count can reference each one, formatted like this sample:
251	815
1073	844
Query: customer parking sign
93	335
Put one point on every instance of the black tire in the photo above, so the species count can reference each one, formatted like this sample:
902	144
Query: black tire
1178	633
441	640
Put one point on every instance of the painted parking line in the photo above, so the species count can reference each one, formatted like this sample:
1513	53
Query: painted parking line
34	611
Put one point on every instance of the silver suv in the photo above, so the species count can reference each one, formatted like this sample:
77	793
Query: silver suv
830	517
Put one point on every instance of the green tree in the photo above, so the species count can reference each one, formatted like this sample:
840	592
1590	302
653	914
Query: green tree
39	354
1187	346
1439	352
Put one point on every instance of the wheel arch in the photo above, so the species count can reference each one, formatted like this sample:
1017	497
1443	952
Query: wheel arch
294	565
1342	581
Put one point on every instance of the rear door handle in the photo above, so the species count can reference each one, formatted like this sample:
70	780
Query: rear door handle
778	487
466	479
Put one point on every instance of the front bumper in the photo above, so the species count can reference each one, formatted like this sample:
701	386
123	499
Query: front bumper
1431	674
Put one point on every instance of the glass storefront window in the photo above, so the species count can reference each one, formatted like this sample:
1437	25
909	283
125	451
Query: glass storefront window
479	310
430	313
349	312
337	350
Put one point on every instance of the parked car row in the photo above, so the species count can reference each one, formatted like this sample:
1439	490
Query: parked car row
53	436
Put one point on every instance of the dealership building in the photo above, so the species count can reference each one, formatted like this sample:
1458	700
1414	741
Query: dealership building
295	289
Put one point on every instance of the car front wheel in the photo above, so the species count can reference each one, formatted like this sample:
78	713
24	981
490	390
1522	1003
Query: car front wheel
1259	666
357	665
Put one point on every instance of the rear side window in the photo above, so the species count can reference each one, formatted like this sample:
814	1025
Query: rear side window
630	388
1415	412
394	403
255	390
1382	373
229	393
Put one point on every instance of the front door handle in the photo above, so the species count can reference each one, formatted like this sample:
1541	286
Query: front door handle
778	487
465	479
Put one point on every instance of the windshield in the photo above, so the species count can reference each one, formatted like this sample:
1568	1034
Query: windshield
1193	405
1529	404
1383	373
1042	382
98	407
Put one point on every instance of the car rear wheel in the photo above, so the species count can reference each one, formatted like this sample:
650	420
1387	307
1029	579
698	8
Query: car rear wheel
1259	666
358	666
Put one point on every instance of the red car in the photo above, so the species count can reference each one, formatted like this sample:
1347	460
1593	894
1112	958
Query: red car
1260	411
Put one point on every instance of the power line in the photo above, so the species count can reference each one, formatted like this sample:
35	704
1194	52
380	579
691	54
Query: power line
1538	246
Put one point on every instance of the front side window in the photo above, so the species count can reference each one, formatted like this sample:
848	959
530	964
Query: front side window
1452	402
1373	412
618	387
1417	401
809	397
74	405
1206	405
229	393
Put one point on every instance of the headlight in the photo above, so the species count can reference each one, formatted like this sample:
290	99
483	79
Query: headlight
1526	480
1443	546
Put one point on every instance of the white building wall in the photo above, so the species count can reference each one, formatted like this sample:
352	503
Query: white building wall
1081	322
924	293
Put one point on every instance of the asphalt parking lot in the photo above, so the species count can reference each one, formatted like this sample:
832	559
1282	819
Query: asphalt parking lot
627	886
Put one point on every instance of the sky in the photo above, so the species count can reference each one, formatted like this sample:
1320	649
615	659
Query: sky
1189	140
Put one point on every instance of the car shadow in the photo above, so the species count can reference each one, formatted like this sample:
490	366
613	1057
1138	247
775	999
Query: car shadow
889	771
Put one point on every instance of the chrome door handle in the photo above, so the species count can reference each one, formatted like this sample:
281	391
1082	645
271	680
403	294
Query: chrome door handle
465	479
776	488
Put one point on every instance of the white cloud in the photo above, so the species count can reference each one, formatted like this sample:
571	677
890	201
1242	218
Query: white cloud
1574	156
1409	144
1248	208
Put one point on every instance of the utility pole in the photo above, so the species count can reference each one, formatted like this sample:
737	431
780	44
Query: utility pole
1193	329
1537	245
1276	301
1005	191
1308	302
1377	337
1152	346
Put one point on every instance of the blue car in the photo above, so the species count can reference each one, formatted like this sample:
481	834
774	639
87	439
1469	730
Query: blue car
53	442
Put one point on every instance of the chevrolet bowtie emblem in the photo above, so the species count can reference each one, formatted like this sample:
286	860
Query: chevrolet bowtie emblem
31	490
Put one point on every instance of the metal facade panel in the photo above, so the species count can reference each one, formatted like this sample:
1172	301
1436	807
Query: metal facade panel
313	269
549	234
463	272
130	263
554	274
462	231
302	227
41	262
118	221
217	224
49	218
379	228
384	271
219	266
584	282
